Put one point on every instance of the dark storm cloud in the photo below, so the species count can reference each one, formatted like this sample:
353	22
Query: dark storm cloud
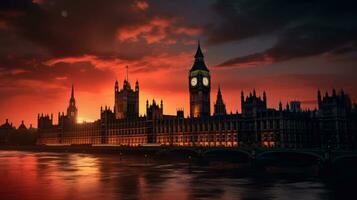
72	27
304	28
46	45
34	32
48	29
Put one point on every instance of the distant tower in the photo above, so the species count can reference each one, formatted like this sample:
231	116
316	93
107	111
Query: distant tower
22	126
318	98
253	104
295	106
72	111
154	111
126	103
199	86
219	106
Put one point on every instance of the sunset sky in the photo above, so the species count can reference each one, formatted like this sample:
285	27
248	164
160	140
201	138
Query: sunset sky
288	48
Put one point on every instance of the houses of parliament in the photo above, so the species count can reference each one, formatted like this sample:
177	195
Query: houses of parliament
334	122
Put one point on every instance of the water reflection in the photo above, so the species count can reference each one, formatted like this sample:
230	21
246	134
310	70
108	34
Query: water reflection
28	175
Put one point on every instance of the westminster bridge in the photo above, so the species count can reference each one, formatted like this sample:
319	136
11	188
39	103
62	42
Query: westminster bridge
264	156
242	154
326	162
238	153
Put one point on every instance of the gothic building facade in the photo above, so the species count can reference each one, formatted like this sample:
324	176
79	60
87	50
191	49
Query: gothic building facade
126	104
337	119
333	123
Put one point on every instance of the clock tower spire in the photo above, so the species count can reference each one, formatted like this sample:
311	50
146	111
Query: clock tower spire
72	111
199	86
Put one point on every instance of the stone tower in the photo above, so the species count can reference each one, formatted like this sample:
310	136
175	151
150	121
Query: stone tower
126	103
199	86
72	111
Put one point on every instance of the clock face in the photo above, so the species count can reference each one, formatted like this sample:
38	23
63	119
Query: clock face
194	81
205	81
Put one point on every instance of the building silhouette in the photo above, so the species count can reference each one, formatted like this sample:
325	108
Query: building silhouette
336	118
332	124
219	106
10	135
72	111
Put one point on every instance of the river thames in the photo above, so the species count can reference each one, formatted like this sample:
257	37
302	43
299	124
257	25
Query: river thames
33	175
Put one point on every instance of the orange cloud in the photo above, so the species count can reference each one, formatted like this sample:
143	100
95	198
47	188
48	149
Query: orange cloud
163	61
153	31
94	60
191	31
61	78
132	33
142	5
157	30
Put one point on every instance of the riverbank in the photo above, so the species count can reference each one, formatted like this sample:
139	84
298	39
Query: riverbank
85	149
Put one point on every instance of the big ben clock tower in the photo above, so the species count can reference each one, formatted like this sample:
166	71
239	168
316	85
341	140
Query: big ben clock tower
72	111
199	86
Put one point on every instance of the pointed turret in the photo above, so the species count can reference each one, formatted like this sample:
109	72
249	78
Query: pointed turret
199	63
242	100
199	54
72	109
137	85
219	107
127	73
116	87
72	100
72	93
318	98
22	126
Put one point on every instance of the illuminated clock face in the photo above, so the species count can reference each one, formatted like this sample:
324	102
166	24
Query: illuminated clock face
194	81
205	81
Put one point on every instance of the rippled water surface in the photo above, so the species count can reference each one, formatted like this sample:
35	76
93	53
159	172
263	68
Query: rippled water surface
29	175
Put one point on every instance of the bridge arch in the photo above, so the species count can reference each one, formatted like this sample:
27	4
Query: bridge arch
233	154
313	154
342	158
183	151
293	157
343	167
